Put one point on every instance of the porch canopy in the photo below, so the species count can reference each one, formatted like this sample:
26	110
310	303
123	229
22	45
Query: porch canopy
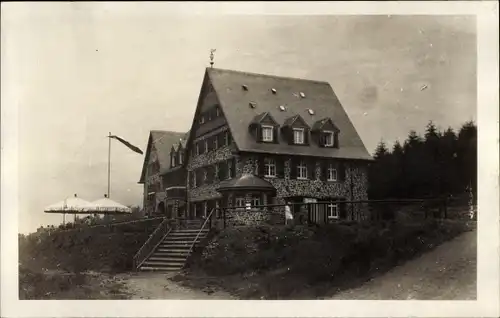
72	205
246	183
107	206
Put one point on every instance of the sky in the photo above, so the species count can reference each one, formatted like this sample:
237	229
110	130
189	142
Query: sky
81	70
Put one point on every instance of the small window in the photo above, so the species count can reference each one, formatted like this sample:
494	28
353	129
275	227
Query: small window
269	168
329	138
267	133
310	111
302	95
244	87
255	202
332	173
197	149
240	202
282	108
273	90
229	170
298	136
333	211
252	104
217	111
302	170
202	119
180	158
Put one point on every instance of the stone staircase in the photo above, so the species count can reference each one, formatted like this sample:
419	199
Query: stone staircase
172	253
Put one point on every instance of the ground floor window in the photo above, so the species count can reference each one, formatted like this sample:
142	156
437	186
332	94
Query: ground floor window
333	210
240	202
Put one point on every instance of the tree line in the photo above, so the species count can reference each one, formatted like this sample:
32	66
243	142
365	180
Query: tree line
440	163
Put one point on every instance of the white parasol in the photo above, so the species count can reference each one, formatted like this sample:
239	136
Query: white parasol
107	206
68	205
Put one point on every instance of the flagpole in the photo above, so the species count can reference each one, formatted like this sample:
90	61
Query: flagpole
109	160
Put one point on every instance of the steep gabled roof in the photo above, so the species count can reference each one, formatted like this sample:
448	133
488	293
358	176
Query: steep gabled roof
320	124
298	96
163	141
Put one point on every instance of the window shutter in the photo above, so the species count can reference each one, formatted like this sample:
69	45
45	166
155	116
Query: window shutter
223	171
293	168
209	175
342	209
336	140
289	135
341	171
306	136
233	170
220	140
260	163
324	170
322	139
258	134
311	170
276	134
280	167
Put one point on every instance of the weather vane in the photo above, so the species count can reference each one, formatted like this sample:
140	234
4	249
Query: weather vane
212	51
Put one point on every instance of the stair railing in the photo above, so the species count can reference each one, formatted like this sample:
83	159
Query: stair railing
152	243
199	233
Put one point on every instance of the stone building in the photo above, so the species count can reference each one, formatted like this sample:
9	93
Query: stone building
258	139
163	173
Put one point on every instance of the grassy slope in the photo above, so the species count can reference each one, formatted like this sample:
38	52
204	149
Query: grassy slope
300	262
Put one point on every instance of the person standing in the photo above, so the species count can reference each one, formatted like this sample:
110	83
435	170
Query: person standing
288	214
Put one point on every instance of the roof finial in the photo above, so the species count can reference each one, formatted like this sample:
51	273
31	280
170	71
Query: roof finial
212	51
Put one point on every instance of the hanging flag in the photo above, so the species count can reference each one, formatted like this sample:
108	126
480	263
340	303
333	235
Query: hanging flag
126	143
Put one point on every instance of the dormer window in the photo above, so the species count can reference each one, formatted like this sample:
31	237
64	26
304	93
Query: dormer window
298	136
267	133
329	138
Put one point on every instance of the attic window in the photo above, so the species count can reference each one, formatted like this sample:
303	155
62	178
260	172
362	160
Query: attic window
252	104
273	90
310	111
244	87
302	95
282	108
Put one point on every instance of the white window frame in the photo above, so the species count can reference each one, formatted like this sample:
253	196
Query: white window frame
333	207
265	136
298	139
329	138
332	174
302	170
255	202
240	200
269	168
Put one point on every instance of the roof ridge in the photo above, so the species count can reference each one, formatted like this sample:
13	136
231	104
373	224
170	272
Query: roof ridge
268	75
167	131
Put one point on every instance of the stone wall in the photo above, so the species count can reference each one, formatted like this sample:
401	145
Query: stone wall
286	187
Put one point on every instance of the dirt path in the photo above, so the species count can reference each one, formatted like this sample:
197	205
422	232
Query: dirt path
446	273
159	286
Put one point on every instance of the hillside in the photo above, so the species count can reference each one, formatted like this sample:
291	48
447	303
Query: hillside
269	262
